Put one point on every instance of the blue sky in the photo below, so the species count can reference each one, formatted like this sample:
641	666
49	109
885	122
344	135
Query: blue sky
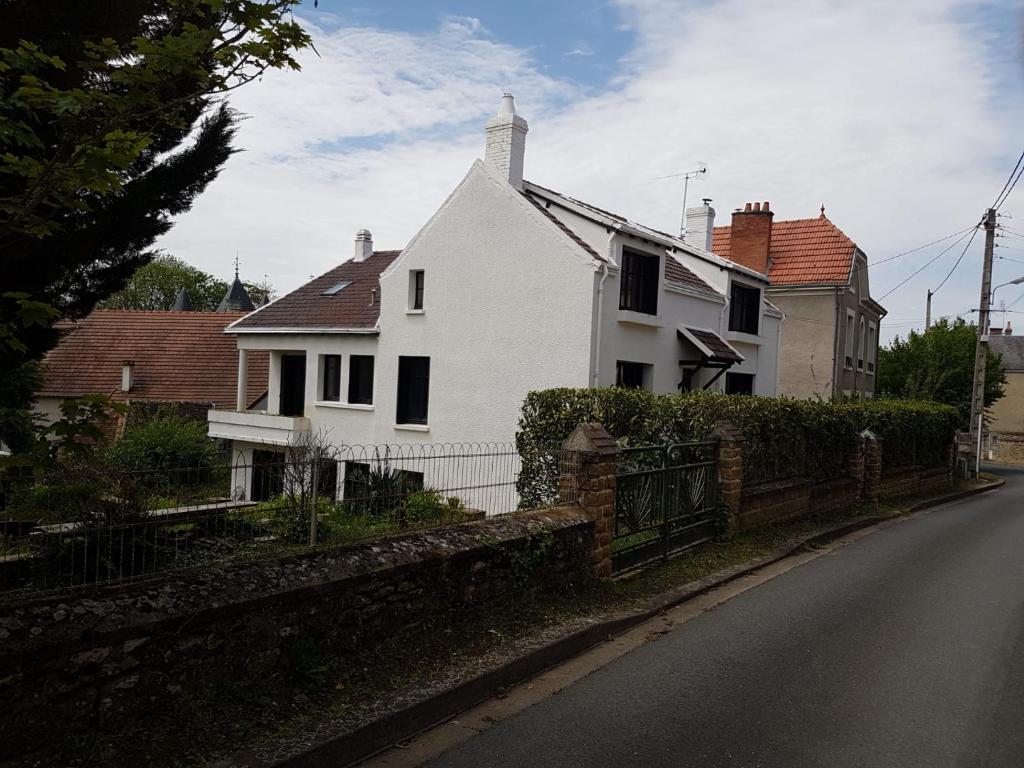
902	118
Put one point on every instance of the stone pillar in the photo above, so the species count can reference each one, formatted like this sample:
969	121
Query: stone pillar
241	392
730	470
598	464
856	464
872	466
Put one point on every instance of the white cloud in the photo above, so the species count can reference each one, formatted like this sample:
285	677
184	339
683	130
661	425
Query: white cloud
889	113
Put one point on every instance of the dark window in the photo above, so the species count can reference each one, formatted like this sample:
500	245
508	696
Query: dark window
357	479
327	480
629	375
638	290
293	385
332	377
413	389
744	309
739	383
417	289
360	379
267	475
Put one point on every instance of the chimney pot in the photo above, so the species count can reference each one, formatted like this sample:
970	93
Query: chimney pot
764	206
747	208
364	245
1009	329
127	375
757	207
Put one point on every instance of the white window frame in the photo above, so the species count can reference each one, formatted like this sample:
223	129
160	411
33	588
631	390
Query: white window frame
851	319
872	346
861	325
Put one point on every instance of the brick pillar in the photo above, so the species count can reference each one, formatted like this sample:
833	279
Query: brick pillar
872	466
598	464
856	464
730	470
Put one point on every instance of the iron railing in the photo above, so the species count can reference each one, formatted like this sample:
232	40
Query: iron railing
91	527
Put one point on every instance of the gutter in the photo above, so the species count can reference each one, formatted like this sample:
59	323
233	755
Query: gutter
596	360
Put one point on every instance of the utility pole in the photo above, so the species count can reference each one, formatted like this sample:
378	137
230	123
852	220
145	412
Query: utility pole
928	313
981	350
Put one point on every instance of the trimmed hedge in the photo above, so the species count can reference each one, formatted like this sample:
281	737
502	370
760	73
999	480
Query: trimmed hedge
785	438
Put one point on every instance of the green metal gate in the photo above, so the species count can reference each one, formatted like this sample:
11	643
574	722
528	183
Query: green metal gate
666	501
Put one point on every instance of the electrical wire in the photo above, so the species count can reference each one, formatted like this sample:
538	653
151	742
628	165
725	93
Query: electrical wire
912	250
933	260
1008	186
959	259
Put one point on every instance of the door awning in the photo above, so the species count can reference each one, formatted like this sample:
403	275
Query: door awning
713	347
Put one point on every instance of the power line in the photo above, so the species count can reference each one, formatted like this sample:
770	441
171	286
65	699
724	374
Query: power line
913	250
1004	192
957	264
932	261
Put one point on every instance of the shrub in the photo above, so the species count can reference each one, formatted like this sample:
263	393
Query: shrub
785	438
162	444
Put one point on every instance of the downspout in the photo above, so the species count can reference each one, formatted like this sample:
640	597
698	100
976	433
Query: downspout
778	348
837	366
596	369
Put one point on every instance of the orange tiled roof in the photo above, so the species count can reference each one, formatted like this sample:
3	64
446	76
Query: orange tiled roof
803	252
178	356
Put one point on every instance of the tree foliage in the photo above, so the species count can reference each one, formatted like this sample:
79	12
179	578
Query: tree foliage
111	123
938	365
155	285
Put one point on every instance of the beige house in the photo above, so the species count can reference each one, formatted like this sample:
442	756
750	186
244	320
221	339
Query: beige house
1007	414
819	279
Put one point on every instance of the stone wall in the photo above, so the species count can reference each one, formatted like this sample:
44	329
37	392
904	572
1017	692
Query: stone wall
75	663
912	481
1007	449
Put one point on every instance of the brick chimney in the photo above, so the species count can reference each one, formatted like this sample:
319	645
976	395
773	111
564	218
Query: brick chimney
750	238
506	142
1009	329
995	331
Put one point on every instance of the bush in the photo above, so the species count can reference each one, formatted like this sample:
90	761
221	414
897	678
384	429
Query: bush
785	438
163	444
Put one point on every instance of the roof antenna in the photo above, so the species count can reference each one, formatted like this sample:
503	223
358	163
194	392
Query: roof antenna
700	171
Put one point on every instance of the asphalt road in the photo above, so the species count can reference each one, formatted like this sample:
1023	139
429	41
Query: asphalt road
904	648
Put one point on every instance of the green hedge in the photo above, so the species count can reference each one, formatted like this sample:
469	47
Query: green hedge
785	438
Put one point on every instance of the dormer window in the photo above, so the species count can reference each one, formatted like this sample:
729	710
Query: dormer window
744	308
638	285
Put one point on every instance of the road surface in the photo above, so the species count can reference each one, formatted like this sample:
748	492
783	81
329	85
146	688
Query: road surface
904	648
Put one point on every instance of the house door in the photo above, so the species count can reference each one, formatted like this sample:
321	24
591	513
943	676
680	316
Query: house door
267	475
293	385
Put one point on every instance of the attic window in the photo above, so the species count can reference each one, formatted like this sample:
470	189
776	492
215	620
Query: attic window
335	289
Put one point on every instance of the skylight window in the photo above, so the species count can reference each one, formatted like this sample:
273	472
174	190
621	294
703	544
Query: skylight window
336	289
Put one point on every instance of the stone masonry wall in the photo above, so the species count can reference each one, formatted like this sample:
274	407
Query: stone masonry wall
73	663
1008	449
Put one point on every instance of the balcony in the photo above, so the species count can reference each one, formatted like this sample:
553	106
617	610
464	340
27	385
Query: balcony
256	427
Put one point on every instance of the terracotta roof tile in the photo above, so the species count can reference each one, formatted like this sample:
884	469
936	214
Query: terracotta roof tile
178	356
351	307
803	252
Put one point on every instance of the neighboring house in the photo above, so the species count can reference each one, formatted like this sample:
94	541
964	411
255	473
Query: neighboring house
1007	413
179	358
819	279
509	287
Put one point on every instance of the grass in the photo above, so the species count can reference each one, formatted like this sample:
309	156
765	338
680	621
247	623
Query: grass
317	690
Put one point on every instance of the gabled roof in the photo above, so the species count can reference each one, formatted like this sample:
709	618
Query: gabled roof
177	356
356	306
607	218
1011	348
803	252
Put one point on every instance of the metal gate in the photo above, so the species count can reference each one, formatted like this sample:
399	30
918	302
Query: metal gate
666	500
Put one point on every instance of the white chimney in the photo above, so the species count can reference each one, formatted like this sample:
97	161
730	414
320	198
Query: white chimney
127	375
506	142
364	245
700	223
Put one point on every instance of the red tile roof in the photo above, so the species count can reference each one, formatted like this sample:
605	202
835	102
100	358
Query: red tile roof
803	252
178	356
307	307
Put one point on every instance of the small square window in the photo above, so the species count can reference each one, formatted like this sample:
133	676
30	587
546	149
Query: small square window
744	308
632	375
331	388
360	379
739	383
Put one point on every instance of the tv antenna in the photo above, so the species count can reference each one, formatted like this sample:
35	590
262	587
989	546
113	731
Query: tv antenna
700	171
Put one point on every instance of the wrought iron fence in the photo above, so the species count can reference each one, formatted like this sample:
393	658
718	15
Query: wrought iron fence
92	527
666	501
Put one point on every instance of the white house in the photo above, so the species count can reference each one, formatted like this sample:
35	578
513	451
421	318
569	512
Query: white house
509	287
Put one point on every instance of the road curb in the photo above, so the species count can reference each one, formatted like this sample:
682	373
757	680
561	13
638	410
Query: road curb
356	746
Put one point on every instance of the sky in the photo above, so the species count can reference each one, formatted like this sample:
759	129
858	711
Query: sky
902	118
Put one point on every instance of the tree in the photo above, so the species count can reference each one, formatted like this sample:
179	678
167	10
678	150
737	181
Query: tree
938	365
111	122
155	286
